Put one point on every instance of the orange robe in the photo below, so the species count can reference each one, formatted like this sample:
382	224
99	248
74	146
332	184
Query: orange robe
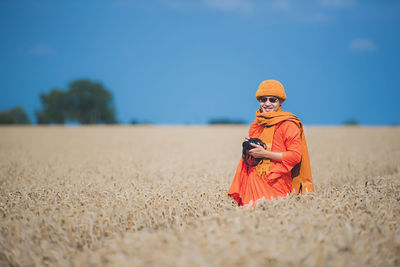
247	187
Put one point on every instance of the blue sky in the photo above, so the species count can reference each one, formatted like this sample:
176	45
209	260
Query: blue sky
178	62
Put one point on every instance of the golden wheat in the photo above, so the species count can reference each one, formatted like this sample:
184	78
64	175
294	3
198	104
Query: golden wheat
146	195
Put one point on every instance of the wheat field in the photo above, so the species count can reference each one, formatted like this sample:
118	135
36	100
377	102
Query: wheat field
157	196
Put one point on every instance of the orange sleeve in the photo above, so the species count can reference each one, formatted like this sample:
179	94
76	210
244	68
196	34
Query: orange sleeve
292	156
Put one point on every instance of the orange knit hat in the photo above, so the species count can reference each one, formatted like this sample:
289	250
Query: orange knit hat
271	87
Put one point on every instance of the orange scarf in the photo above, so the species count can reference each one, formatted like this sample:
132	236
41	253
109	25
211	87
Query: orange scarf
301	173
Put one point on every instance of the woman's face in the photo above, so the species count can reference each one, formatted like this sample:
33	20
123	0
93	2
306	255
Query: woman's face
269	103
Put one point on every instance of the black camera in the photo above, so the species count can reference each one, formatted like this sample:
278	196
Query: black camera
249	160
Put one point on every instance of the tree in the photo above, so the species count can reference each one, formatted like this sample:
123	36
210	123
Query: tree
85	101
16	115
55	107
90	103
217	121
350	122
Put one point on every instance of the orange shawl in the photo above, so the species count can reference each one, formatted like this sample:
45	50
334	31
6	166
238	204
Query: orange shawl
301	173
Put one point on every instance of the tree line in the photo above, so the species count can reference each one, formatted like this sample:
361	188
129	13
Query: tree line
84	101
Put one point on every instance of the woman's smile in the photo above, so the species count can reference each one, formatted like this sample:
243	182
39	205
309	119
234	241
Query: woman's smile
267	109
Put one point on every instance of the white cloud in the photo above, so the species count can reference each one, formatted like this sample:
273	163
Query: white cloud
295	4
295	11
233	6
362	45
41	50
281	4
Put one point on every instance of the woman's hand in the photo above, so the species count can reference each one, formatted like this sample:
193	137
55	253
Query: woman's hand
258	151
246	138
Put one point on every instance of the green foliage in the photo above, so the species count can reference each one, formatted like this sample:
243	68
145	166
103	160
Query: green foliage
85	101
6	118
225	121
350	122
55	107
90	103
16	115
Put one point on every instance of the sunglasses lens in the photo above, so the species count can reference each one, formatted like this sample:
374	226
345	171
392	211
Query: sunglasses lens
270	99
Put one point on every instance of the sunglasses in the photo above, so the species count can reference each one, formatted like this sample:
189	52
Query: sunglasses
272	100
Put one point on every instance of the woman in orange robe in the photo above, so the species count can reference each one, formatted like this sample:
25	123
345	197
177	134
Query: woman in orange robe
285	164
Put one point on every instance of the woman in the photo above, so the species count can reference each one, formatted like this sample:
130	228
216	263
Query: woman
285	165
